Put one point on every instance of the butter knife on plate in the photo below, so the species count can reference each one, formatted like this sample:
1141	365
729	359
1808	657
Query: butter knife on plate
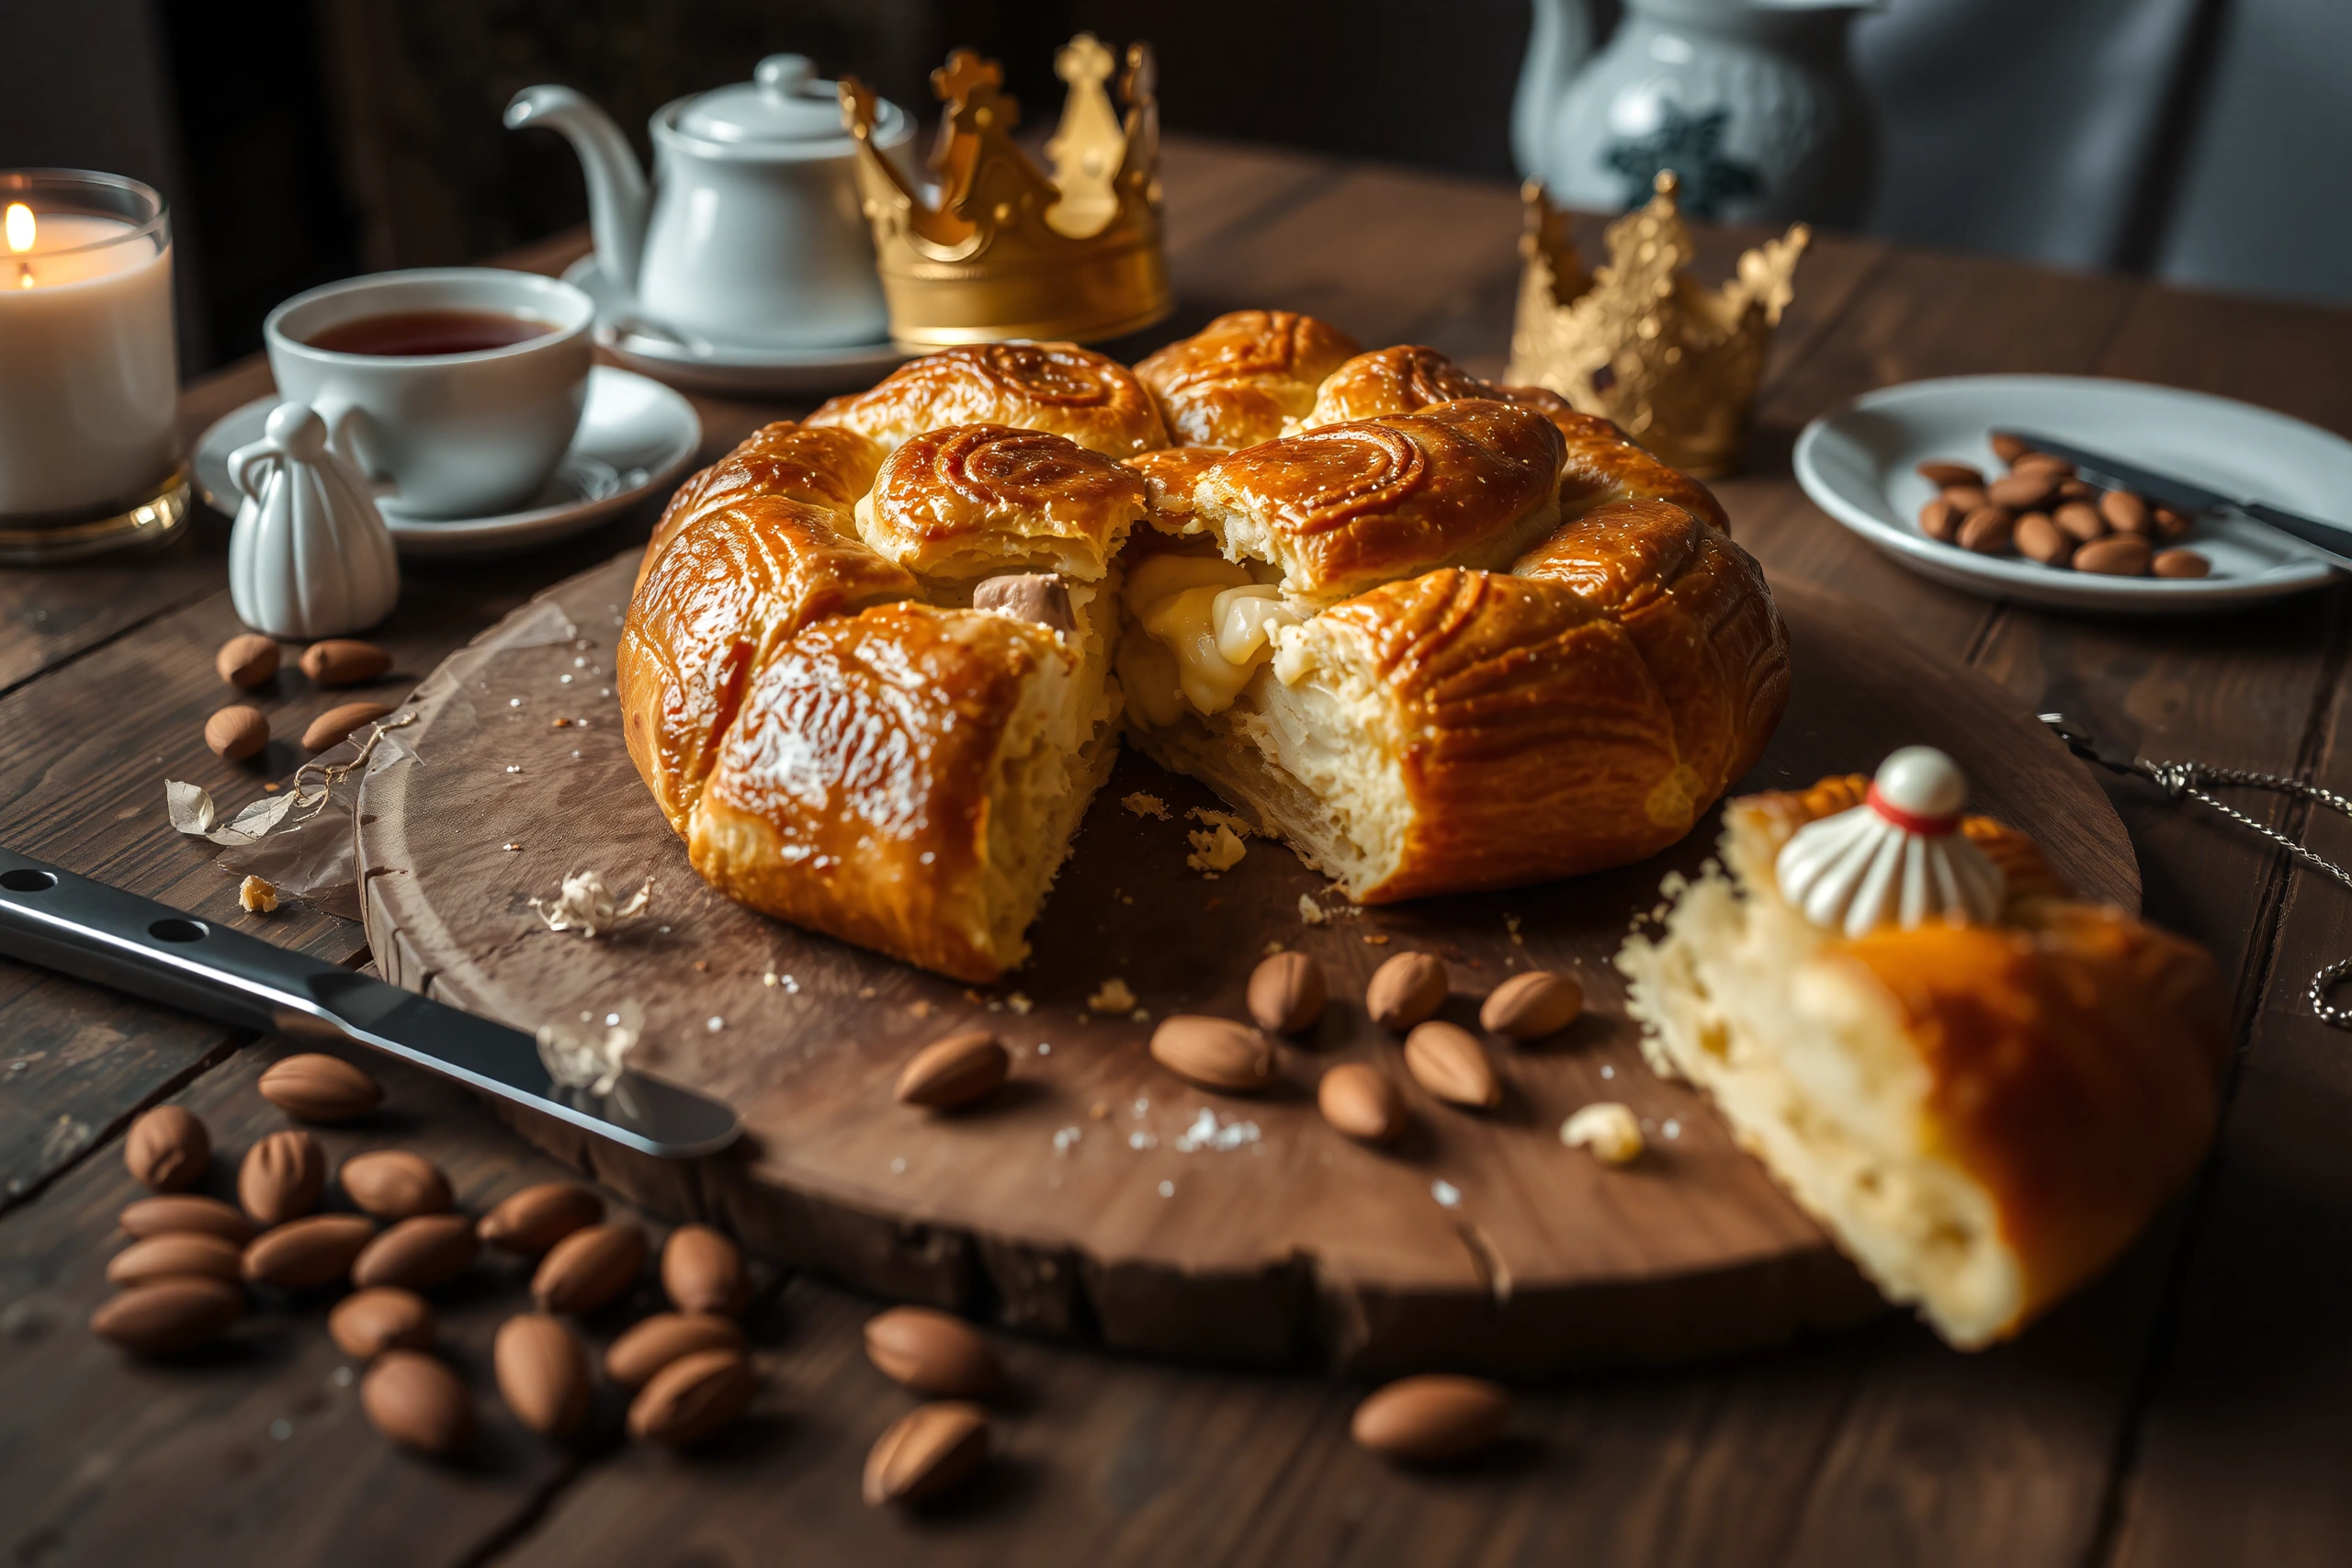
54	919
2333	540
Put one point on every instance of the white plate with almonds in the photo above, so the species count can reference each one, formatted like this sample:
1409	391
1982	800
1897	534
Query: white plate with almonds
1863	464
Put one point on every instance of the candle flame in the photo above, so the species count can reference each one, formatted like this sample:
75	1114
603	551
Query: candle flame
19	226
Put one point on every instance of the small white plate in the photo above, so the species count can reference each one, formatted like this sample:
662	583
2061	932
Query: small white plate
1858	465
721	368
635	436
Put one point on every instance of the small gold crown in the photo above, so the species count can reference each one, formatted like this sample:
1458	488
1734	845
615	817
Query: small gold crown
1674	365
1008	252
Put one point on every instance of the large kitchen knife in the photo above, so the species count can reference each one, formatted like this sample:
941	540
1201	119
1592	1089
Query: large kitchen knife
62	921
2333	540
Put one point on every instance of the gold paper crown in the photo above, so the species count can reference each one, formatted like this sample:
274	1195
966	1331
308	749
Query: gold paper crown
1007	253
1676	366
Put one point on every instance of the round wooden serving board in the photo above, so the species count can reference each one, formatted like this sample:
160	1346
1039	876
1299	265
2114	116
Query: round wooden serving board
1097	1196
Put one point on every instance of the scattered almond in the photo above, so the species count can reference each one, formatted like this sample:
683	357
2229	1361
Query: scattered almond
2117	555
1214	1053
318	1087
169	1257
933	1352
2080	521
302	1254
592	1266
2179	563
420	1254
2072	488
703	1271
281	1177
237	732
1405	990
2043	463
167	1149
366	1324
340	662
955	1071
1611	1130
2040	538
542	1374
418	1403
2022	490
1448	1061
1986	530
185	1211
2170	524
1431	1418
2126	512
2009	448
1939	520
393	1184
1361	1101
538	1217
334	726
654	1342
692	1398
1530	1006
1942	475
1965	499
931	1450
1287	993
247	659
169	1316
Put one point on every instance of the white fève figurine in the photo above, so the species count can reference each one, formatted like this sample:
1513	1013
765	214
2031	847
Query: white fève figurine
1898	859
310	556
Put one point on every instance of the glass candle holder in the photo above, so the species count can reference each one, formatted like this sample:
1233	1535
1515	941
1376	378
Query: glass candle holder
90	373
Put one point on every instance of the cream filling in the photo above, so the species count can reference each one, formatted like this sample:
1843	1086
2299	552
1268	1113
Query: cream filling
1211	625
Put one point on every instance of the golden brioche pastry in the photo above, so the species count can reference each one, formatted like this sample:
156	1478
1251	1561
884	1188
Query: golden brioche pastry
1983	1115
822	468
1054	387
1237	380
971	500
1169	475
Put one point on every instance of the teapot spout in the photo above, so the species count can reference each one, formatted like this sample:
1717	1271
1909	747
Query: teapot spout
616	187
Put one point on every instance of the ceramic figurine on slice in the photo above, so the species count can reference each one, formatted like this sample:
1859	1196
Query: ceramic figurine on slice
310	556
1898	859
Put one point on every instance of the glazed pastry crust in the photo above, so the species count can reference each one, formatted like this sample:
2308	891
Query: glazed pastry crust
1239	379
1056	387
973	499
828	469
1169	475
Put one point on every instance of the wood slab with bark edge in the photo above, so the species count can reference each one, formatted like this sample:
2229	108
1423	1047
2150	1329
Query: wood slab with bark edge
1096	1197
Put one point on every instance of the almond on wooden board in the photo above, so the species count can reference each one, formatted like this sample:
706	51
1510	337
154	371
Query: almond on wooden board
366	1324
1361	1101
393	1184
1214	1053
336	724
2118	554
281	1177
1943	474
247	659
1448	1061
178	1211
171	1256
955	1071
416	1401
1431	1418
933	1352
1405	990
302	1254
420	1254
167	1149
703	1271
692	1398
535	1219
653	1343
1287	993
592	1266
236	732
169	1316
314	1087
2179	563
930	1450
542	1374
1530	1006
344	662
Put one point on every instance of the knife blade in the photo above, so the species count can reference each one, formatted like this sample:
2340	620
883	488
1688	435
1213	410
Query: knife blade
2333	540
79	927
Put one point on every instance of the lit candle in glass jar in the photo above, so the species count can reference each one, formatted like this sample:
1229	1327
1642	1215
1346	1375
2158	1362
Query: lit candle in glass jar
89	377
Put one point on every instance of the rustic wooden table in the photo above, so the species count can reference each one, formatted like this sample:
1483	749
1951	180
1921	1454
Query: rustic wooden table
2193	1407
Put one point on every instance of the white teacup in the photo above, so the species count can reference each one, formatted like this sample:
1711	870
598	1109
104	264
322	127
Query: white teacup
469	432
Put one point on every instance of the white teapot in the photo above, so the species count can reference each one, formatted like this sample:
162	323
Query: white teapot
755	236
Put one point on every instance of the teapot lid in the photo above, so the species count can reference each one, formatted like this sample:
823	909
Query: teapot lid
784	102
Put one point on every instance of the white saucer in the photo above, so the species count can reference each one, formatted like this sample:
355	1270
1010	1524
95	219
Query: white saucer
1858	464
635	436
719	368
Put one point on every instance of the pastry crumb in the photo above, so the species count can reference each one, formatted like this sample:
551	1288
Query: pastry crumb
1209	817
1608	1129
1511	924
1375	938
258	897
1146	804
1309	912
919	1009
1273	948
1216	849
1019	1003
1113	996
867	993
